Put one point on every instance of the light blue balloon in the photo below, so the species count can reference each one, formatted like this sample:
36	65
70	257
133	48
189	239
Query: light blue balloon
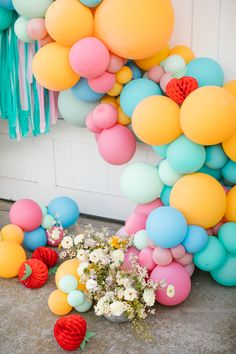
5	18
186	156
91	3
227	236
140	239
7	4
196	239
135	91
166	227
209	171
86	306
68	283
161	150
215	157
48	222
137	73
229	172
165	195
226	274
83	92
75	298
64	210
35	239
206	71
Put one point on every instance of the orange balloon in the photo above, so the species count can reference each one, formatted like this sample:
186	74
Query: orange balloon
229	147
155	120
134	29
123	118
51	68
201	199
156	59
57	302
12	255
231	87
69	267
230	213
208	115
184	51
12	233
68	21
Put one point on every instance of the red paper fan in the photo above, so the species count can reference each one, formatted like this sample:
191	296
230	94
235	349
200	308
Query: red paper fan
179	89
46	255
33	274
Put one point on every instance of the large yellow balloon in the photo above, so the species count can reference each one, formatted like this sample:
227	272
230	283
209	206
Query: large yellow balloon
201	198
231	87
154	60
57	302
12	255
229	147
155	120
69	267
184	51
12	233
208	115
230	213
134	29
68	21
52	69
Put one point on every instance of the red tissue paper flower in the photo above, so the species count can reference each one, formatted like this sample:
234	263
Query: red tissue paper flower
46	255
70	332
179	89
33	274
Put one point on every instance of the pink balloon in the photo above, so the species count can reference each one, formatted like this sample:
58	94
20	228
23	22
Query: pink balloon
135	223
117	145
103	83
26	214
145	259
190	268
36	29
149	207
91	125
209	232
178	284
178	252
185	260
162	256
217	227
155	73
46	40
105	116
115	64
121	232
165	79
131	252
150	243
89	57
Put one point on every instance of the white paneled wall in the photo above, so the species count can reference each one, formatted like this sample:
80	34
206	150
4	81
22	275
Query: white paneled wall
66	161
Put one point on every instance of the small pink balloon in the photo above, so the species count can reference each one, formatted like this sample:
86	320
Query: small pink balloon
89	57
135	223
97	136
178	252
162	256
185	260
190	268
122	232
150	243
226	189
155	73
131	252
91	125
105	116
36	29
217	227
46	40
115	64
178	284
145	259
210	232
149	207
103	83
117	145
26	214
165	79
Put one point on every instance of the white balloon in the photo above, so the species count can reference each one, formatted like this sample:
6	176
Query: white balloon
32	8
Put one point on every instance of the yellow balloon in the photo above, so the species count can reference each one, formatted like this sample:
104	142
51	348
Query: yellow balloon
230	213
229	147
124	75
12	233
57	302
51	68
155	120
69	267
154	60
184	51
12	255
208	115
110	100
201	199
231	87
123	118
134	29
68	21
116	90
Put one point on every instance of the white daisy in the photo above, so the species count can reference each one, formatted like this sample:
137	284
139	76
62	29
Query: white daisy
78	239
130	294
149	297
81	255
67	242
91	284
117	308
81	268
170	291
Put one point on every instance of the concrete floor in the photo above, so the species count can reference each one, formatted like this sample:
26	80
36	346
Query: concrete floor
204	324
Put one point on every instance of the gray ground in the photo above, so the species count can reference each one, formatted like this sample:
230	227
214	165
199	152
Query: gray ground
204	324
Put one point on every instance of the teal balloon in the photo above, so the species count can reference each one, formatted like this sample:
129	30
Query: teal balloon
165	195
137	73
85	306
161	150
48	222
20	30
206	71
5	18
215	157
186	156
91	3
140	183
73	110
75	298
174	64
168	174
227	236
68	283
209	171
7	4
32	8
140	239
229	172
212	256
226	274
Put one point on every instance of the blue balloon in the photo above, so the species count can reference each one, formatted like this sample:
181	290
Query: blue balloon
7	4
161	150
229	172
137	73
215	157
135	91
211	172
83	92
91	3
35	239
196	239
64	210
206	71
166	227
165	195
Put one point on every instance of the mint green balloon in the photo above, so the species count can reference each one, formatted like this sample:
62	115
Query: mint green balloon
5	18
48	222
75	298
73	110
140	183
174	63
168	174
140	239
226	274
215	157
186	156
20	30
86	306
212	256
32	8
68	283
161	150
227	236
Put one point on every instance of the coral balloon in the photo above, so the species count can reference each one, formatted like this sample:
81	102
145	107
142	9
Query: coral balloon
12	233
36	28
105	116
12	256
230	213
26	214
103	83
57	302
91	125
